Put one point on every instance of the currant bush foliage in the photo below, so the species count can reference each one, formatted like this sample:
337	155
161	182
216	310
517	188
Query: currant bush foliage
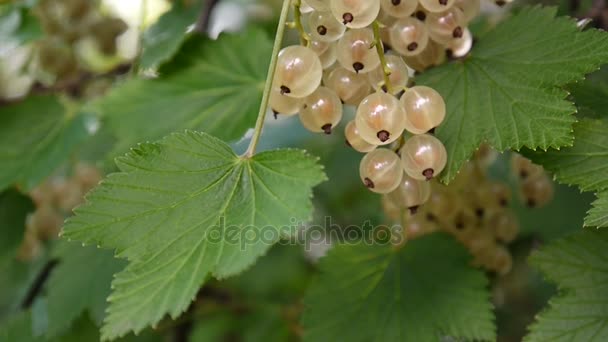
163	39
208	86
585	164
36	136
76	287
179	211
507	93
375	293
580	312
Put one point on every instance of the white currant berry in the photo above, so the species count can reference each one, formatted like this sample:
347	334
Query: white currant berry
537	191
356	52
380	119
284	105
324	27
354	140
298	72
470	8
423	156
411	193
321	111
446	26
399	8
381	171
355	13
318	5
505	226
523	168
424	109
352	88
409	36
436	6
398	74
433	54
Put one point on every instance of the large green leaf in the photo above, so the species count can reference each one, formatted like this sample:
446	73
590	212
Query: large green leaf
81	282
185	208
14	208
507	92
598	215
163	39
585	164
36	136
19	328
580	312
209	86
423	292
15	276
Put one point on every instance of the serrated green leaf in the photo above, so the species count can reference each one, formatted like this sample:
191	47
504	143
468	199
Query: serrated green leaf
162	40
81	282
421	293
209	86
19	328
36	136
507	92
598	215
14	208
580	312
585	164
183	209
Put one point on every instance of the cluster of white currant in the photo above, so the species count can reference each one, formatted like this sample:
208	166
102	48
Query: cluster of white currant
68	23
357	52
54	200
474	209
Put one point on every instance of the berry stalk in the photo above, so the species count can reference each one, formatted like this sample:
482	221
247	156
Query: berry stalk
297	18
380	49
278	40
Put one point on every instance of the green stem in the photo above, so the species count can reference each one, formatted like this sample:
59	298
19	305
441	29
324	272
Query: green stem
380	49
278	39
297	18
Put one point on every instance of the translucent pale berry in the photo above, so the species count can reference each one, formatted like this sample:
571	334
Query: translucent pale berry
380	119
442	206
485	155
493	194
354	140
433	54
381	171
537	191
284	105
445	26
470	8
327	52
505	226
460	47
437	5
411	193
318	5
409	36
321	111
355	51
352	88
500	260
298	71
523	168
423	156
391	210
399	8
424	109
355	13
398	74
324	27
